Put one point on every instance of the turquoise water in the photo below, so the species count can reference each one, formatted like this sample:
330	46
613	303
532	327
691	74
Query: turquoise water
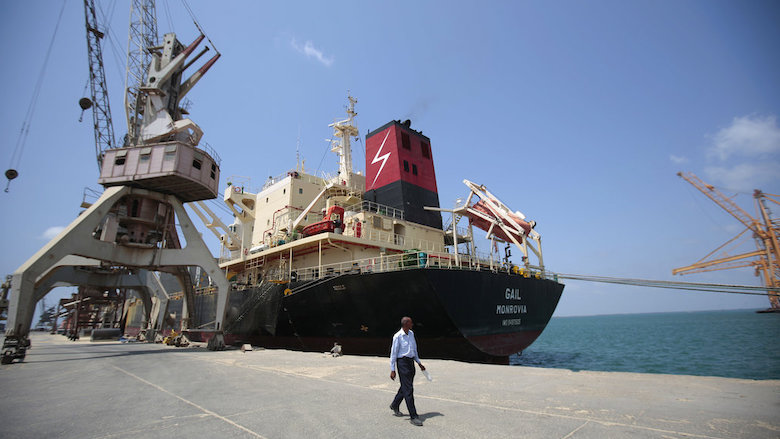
735	344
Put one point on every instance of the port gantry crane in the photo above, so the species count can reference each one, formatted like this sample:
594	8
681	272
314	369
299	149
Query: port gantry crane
766	234
130	231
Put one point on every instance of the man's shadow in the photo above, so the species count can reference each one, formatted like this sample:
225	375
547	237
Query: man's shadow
425	416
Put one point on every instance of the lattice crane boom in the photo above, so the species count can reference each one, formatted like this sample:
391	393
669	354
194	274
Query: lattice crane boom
771	262
725	263
766	258
101	112
721	200
142	37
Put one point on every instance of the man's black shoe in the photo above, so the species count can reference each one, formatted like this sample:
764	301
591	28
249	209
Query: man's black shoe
396	411
416	421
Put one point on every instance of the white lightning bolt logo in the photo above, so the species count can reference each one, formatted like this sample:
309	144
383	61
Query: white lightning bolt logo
383	158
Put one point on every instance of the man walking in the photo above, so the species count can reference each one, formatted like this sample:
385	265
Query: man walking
403	355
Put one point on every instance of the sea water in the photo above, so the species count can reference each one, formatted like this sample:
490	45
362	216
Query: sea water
735	344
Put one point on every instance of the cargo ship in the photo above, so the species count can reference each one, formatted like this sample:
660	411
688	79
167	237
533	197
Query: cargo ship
315	260
309	260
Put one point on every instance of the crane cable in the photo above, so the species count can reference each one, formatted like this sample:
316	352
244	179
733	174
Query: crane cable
691	286
16	156
197	25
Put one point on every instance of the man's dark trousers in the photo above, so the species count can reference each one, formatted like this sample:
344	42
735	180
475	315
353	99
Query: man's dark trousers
405	368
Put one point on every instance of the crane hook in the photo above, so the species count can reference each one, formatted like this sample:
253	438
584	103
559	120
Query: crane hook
84	103
10	175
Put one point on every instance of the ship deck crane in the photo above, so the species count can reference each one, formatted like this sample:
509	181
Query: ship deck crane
765	231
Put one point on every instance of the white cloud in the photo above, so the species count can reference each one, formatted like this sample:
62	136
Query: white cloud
750	136
746	154
678	160
51	232
745	176
310	51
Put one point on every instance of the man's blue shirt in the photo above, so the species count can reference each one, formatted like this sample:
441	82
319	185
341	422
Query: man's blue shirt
404	345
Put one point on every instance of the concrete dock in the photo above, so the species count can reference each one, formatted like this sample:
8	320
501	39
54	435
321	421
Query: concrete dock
81	389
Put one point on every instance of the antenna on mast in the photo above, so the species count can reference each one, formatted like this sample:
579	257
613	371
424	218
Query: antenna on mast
345	129
298	163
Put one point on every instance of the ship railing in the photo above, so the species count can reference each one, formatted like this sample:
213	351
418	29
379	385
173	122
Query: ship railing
374	236
376	208
383	237
225	254
296	174
335	179
461	231
412	260
273	180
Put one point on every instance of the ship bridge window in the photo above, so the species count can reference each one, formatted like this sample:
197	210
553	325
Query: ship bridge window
213	171
300	190
406	166
405	141
426	150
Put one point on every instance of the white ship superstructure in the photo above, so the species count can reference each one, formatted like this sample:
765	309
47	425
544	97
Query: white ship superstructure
303	226
272	227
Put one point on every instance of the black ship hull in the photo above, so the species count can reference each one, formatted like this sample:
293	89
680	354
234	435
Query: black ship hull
458	314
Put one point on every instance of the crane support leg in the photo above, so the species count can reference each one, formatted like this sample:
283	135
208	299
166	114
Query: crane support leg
78	240
144	282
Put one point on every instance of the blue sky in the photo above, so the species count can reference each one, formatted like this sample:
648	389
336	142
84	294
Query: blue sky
578	114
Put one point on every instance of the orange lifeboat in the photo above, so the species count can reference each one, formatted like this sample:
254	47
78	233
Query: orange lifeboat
479	213
333	220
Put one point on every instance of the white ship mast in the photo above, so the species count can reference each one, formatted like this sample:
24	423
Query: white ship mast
345	129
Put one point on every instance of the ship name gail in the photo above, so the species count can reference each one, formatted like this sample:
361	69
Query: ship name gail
511	294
